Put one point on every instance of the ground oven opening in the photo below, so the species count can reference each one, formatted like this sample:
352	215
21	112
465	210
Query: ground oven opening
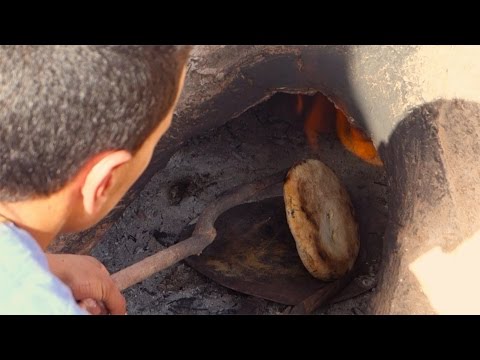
269	137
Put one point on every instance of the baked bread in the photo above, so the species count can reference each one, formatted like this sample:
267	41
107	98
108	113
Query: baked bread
321	219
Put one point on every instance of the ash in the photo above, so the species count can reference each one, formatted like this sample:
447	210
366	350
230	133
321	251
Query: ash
263	140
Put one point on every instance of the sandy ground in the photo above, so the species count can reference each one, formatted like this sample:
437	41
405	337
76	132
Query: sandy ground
262	141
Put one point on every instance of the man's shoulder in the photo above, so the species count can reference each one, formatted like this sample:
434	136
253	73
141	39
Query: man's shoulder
28	287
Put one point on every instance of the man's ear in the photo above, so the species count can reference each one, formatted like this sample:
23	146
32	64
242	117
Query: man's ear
98	180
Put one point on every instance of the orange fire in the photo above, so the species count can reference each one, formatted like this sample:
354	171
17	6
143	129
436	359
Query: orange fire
356	141
323	117
299	104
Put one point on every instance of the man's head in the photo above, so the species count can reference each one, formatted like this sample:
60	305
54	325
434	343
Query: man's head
83	118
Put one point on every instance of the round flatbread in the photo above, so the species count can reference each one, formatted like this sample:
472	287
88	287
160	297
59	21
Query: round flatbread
320	217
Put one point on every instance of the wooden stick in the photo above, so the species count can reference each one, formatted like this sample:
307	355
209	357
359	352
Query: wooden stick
202	236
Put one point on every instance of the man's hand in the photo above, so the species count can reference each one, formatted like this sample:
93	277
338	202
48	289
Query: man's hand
89	281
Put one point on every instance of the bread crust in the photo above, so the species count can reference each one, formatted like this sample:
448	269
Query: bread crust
321	218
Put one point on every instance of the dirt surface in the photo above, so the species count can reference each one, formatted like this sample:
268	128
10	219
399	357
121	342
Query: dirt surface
265	139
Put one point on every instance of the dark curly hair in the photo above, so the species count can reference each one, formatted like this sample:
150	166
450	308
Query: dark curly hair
60	105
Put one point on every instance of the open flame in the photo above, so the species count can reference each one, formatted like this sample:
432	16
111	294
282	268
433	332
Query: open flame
323	117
